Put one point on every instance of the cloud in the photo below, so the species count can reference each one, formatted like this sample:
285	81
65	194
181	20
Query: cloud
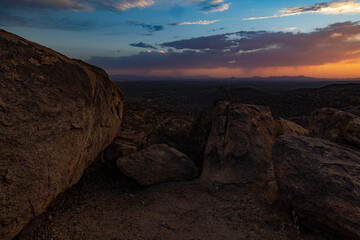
81	5
214	30
201	22
214	6
290	29
71	5
332	7
149	27
215	42
123	5
142	45
112	5
248	50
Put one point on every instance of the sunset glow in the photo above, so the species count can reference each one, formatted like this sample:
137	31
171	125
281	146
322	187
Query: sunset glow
221	38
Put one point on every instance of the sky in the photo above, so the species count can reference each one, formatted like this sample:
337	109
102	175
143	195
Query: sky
185	38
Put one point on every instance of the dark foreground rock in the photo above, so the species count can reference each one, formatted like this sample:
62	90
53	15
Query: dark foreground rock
336	125
239	145
321	182
158	163
56	116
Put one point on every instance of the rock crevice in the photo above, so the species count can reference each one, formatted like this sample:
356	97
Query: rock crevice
239	145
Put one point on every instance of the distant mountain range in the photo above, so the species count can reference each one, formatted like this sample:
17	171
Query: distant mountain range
232	79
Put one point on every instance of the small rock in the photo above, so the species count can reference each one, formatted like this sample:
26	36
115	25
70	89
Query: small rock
158	163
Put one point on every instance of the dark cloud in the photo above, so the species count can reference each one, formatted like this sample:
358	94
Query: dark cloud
212	42
214	6
217	29
142	45
149	27
335	43
311	8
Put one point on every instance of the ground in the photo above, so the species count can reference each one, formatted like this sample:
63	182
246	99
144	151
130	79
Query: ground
107	205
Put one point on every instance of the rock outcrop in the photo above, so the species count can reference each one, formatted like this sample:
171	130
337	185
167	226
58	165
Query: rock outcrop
286	127
239	145
158	163
321	181
56	116
336	125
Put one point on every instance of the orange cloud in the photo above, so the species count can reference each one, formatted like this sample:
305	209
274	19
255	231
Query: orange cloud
329	8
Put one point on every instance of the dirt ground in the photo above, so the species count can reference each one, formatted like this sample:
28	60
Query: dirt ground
108	205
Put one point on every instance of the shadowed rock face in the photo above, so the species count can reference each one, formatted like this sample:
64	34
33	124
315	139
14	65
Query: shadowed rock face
286	127
354	110
116	150
321	182
336	125
239	145
158	163
56	116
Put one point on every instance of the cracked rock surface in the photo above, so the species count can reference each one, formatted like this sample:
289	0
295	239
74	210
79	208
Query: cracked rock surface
239	145
56	116
320	180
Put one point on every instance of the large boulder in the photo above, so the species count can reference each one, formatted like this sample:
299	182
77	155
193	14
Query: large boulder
56	116
239	145
321	182
158	163
336	125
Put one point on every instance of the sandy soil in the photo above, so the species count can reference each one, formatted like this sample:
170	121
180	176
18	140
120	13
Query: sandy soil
107	205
